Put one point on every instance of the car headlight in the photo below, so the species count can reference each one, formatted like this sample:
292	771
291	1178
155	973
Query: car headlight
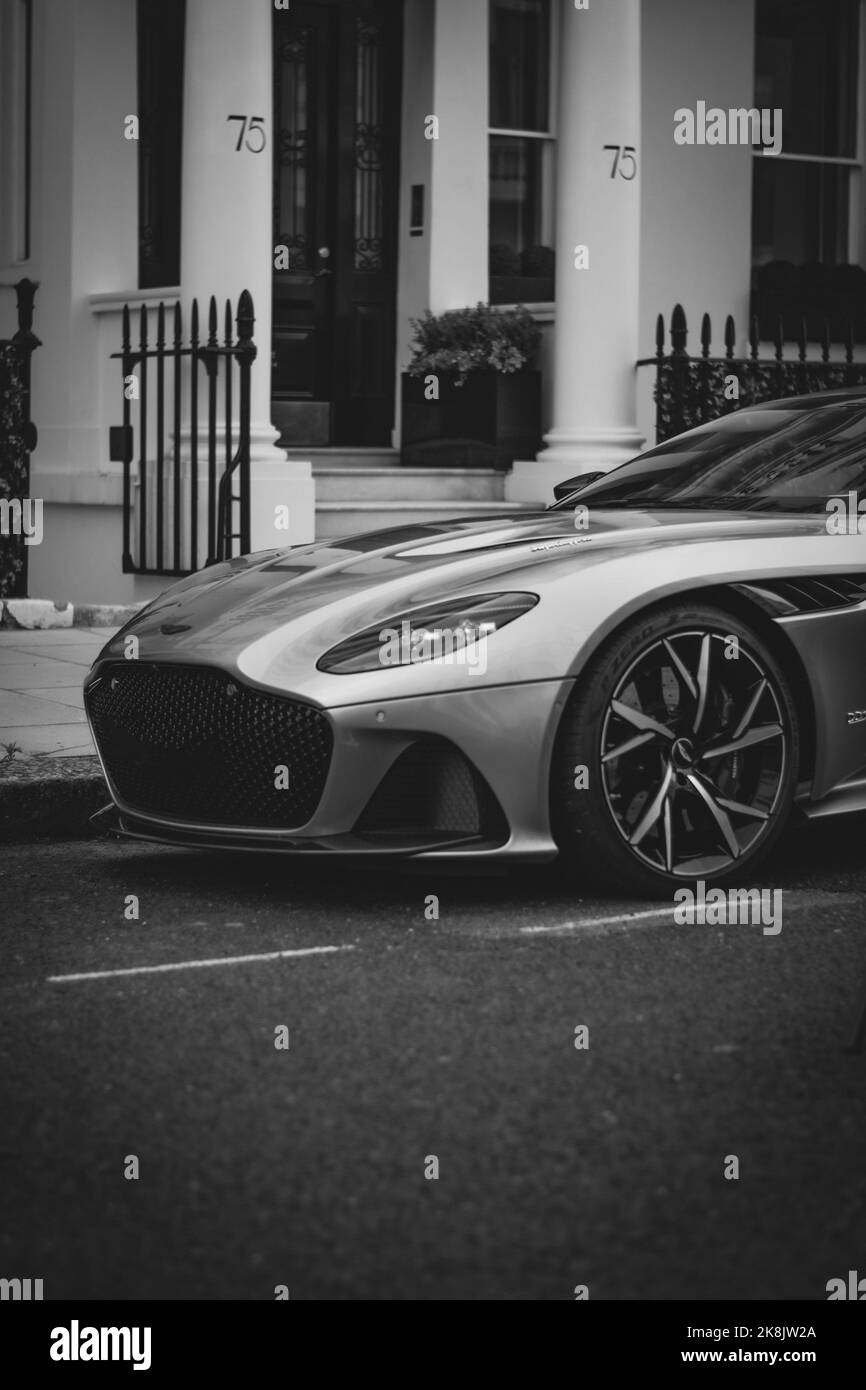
439	632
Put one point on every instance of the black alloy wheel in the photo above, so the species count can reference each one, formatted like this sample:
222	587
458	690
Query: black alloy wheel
678	755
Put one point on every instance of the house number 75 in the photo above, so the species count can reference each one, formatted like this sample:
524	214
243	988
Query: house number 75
622	154
251	126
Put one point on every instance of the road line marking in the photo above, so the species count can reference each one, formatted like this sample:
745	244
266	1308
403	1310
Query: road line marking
194	964
603	921
793	899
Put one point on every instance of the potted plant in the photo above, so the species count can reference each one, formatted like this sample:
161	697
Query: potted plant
471	394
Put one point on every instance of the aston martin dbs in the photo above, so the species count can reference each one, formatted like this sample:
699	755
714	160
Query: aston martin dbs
647	679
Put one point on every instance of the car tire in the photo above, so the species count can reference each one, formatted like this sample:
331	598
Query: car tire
641	799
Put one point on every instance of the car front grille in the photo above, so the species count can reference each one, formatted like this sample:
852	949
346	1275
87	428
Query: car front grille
191	743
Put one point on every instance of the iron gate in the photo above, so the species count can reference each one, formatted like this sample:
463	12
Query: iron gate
180	509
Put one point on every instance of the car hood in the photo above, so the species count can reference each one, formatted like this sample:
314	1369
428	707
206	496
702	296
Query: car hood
273	614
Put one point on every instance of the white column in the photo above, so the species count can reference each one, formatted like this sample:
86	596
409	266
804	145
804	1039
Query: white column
597	309
226	223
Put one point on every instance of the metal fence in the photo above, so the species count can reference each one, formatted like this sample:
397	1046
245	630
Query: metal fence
17	442
180	507
692	390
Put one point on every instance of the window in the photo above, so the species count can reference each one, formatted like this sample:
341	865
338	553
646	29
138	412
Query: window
16	28
160	110
806	200
522	150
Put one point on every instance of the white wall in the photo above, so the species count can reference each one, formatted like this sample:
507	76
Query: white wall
458	238
79	558
85	178
413	262
444	75
696	205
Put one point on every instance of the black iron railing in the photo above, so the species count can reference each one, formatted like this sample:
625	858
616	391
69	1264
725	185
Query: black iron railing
17	442
692	390
180	510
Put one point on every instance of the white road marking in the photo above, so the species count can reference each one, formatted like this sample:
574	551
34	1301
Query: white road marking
194	964
792	901
602	921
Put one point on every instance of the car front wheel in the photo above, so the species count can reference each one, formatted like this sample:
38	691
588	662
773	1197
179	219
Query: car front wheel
677	756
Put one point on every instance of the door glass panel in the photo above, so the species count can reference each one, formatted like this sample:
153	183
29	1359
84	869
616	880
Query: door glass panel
293	104
369	144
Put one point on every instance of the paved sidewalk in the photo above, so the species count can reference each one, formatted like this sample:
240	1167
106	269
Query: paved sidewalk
41	674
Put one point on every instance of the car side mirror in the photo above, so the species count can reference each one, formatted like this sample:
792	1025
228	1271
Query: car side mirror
575	484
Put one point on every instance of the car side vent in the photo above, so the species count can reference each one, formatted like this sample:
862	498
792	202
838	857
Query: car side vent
811	594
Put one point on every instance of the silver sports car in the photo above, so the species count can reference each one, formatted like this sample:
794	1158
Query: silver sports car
647	679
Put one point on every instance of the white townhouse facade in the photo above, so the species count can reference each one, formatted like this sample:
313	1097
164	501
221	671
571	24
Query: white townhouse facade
352	164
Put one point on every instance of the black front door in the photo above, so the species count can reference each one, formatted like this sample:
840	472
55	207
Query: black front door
336	122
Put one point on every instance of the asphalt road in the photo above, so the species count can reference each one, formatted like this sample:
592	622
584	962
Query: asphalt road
452	1038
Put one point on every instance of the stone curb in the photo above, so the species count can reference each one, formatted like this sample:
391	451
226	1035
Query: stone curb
41	795
45	615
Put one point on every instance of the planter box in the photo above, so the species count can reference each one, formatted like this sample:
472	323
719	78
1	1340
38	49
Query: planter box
489	421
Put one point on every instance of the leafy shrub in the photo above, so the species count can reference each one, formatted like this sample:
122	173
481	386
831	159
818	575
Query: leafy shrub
461	341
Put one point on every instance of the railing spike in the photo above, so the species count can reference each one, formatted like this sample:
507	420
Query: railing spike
679	329
803	339
25	293
660	335
754	337
246	317
706	335
178	325
193	323
730	336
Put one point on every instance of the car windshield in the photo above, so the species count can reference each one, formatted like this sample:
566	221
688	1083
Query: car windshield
782	459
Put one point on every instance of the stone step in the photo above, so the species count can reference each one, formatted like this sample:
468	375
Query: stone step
348	485
346	457
334	519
